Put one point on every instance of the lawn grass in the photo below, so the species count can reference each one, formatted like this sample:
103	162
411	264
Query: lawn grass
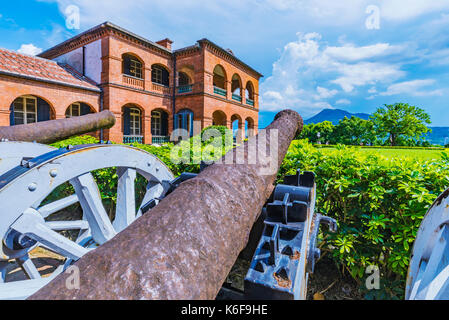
414	153
419	154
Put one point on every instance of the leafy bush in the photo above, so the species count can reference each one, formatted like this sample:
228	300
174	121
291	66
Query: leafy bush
379	204
85	139
225	132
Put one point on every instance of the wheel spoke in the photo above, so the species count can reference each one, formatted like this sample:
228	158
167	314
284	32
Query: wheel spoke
125	212
3	266
421	270
93	210
154	189
57	205
32	225
28	267
438	285
68	225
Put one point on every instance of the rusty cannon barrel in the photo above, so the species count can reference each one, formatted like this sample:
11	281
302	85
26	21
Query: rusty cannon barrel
56	130
185	246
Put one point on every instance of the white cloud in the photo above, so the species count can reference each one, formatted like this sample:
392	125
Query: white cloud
324	93
352	53
343	102
400	10
365	73
372	90
305	75
29	49
413	88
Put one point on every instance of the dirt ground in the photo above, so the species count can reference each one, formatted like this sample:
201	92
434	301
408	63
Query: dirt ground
327	283
45	261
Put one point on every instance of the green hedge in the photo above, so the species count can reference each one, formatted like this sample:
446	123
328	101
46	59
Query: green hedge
378	202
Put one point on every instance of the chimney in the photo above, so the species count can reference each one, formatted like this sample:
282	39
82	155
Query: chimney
165	43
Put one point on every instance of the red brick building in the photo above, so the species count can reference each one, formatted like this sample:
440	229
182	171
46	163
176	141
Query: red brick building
150	88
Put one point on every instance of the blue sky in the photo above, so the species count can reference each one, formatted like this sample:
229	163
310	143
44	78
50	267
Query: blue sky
350	54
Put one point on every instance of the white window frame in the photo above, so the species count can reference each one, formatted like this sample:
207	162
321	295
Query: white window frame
69	111
156	123
135	68
135	122
24	111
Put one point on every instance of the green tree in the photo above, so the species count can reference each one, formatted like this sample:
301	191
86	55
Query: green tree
400	121
354	131
322	132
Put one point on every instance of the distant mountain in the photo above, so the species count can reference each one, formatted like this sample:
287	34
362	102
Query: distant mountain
334	116
439	135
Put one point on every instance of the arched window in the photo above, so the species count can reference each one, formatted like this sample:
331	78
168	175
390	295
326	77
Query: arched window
160	75
156	123
249	127
236	87
249	93
132	66
25	110
219	81
219	118
159	123
135	123
132	119
77	109
184	79
29	109
184	120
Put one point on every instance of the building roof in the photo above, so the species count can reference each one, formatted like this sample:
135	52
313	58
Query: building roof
227	52
230	54
34	68
51	52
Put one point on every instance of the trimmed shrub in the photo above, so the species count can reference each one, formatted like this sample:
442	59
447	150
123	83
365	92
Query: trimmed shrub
378	203
75	141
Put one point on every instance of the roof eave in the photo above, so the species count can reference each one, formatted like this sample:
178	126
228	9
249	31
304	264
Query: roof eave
23	76
98	27
205	40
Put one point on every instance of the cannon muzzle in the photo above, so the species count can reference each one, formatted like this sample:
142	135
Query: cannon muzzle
56	130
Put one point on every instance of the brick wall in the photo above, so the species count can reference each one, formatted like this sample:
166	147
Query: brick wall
58	97
119	91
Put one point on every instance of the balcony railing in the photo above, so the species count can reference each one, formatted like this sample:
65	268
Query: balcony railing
160	88
220	91
250	102
134	82
132	139
236	97
185	89
159	139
